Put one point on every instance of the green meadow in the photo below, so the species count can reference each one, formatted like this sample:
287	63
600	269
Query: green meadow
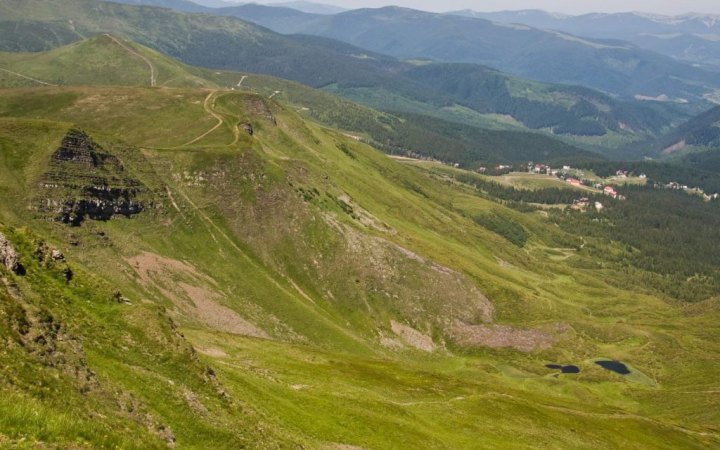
297	288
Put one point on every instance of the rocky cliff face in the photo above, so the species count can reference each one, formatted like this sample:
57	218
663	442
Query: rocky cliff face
84	181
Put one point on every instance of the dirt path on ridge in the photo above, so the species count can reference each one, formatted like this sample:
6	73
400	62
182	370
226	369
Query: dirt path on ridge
28	78
208	105
134	53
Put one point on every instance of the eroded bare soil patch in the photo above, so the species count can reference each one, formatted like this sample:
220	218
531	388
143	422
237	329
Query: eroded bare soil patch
194	295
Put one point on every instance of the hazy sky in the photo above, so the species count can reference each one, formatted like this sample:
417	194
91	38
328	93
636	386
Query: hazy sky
565	6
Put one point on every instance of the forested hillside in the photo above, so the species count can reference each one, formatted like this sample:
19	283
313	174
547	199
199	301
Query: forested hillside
111	60
371	78
611	66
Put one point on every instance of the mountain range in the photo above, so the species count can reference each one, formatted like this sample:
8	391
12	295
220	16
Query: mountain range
613	66
689	37
438	90
209	6
622	68
110	60
695	142
205	256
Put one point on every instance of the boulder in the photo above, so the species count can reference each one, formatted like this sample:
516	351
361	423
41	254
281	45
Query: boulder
57	255
8	255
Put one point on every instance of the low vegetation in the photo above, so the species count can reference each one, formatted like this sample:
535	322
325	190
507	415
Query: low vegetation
281	283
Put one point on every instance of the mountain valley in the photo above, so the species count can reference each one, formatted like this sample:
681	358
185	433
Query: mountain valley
198	253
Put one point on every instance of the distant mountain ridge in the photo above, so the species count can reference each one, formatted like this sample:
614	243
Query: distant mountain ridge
691	37
613	66
233	44
210	6
177	5
310	7
695	143
689	22
700	131
126	63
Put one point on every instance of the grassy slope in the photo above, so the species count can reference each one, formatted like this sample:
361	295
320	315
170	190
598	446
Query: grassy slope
101	60
225	42
110	60
243	214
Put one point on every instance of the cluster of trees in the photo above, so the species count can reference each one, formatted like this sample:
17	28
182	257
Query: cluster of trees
701	130
487	91
470	146
708	161
505	227
667	236
662	239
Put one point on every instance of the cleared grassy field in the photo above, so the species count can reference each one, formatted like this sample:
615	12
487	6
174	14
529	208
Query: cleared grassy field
523	180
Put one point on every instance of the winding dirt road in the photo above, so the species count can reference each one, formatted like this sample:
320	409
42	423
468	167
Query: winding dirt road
134	53
208	105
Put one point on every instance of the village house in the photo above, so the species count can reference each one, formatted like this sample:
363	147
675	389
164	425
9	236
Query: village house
599	206
541	168
677	186
581	204
574	182
609	190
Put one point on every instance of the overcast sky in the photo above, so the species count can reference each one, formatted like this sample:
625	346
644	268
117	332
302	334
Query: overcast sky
564	6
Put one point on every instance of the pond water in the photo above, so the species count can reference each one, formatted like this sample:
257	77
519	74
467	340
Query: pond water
614	366
564	369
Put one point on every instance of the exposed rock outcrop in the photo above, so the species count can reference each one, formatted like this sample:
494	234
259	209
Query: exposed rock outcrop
259	107
85	181
413	337
8	256
52	258
45	338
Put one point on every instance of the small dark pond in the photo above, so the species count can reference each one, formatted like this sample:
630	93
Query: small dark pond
564	369
614	366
